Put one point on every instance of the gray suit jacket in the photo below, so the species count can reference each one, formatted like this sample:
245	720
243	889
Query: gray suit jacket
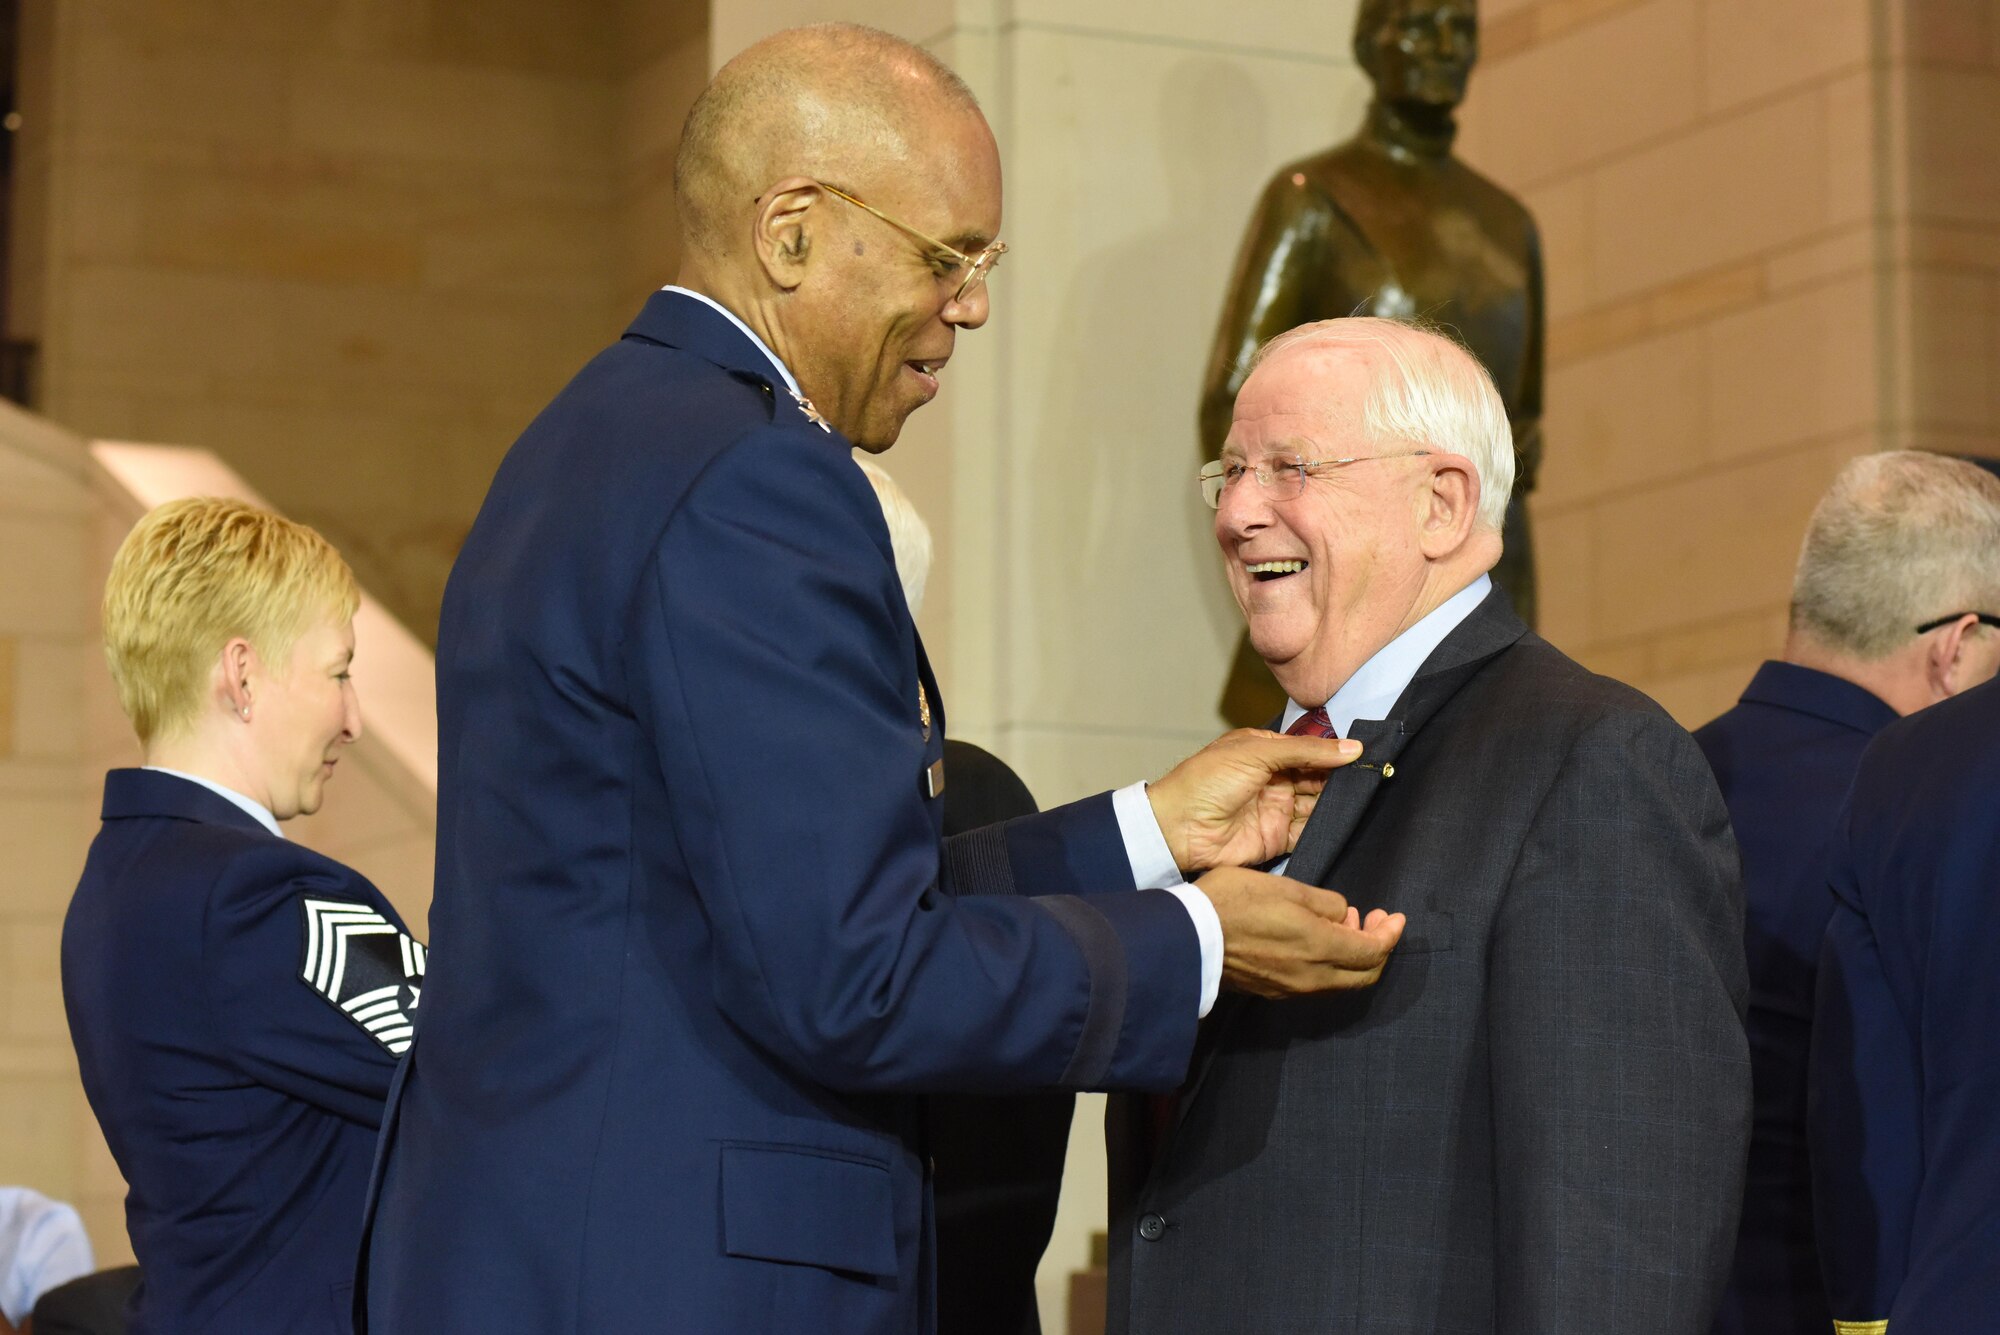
1536	1123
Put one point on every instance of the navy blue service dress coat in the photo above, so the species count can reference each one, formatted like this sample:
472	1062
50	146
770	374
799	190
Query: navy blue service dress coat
1906	1036
699	941
1784	757
238	1004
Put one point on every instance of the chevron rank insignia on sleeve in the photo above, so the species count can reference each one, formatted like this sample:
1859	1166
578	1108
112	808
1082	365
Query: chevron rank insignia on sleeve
358	960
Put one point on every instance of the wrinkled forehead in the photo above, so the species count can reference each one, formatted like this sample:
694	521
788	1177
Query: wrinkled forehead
1307	400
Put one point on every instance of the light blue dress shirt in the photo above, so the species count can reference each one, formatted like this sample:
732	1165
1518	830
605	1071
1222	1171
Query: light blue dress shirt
1377	684
251	805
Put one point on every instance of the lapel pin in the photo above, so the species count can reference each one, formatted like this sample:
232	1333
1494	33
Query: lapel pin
924	710
1387	769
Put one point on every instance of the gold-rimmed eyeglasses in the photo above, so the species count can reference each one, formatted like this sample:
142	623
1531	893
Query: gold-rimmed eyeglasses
976	267
1282	476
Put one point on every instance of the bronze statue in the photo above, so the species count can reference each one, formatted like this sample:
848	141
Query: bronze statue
1390	223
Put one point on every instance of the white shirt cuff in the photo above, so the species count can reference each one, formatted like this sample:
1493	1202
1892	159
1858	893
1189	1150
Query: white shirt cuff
1207	930
1145	846
1153	869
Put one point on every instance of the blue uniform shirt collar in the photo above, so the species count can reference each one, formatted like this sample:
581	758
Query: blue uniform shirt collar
1822	695
1377	684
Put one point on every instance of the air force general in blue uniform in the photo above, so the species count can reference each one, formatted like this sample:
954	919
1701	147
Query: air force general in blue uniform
238	1004
1906	1035
697	938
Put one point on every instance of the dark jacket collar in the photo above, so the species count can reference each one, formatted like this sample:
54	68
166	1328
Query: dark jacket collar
1822	695
680	321
1491	627
139	792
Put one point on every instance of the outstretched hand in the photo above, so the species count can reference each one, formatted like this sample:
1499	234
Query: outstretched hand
1244	797
1283	938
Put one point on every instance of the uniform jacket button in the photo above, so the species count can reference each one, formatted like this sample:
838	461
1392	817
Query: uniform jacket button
1152	1227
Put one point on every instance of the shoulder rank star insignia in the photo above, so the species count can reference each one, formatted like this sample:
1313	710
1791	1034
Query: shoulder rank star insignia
924	710
812	413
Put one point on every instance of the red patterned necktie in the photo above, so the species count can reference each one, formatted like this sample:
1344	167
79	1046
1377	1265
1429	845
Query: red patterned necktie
1312	723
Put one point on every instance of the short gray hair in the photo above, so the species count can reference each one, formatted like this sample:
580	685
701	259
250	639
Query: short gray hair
1433	394
1899	539
909	535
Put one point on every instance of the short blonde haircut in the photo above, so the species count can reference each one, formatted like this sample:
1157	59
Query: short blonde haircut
1900	538
194	574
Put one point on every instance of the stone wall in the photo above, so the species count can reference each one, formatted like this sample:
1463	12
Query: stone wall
1770	228
353	247
660	63
47	811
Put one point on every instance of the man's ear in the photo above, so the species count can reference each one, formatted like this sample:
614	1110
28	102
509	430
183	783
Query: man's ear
1945	667
783	230
1450	505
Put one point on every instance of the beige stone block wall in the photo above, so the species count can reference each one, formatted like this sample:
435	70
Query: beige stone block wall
661	64
47	810
1770	238
1946	243
351	246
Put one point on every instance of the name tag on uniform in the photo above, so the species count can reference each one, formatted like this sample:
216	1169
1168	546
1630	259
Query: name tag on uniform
934	779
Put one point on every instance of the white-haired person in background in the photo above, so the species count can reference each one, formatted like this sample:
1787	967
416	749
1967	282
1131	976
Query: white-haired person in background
1536	1121
999	1159
1895	606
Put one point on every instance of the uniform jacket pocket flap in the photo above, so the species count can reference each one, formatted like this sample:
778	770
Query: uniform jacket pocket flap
808	1207
1424	933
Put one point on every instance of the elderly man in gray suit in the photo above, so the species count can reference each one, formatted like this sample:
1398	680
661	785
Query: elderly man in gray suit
1535	1123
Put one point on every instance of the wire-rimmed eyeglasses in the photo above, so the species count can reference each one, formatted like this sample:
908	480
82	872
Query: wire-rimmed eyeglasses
1282	476
976	266
1985	619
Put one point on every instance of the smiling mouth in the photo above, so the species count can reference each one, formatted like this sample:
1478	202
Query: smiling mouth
1265	571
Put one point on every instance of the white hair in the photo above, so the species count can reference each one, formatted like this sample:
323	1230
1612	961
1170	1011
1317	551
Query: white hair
1899	538
1433	393
909	535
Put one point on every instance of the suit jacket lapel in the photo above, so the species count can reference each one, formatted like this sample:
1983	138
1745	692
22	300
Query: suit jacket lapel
1491	627
1348	792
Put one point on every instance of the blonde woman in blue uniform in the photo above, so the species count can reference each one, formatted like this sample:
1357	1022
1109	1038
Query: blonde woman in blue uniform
238	1002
